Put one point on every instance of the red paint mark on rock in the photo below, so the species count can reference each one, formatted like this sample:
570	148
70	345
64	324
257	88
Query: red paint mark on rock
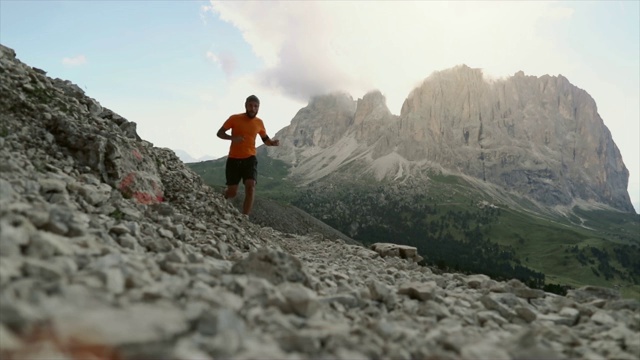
74	348
127	181
158	191
144	198
126	187
137	154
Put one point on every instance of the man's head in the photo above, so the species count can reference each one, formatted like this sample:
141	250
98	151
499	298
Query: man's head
252	105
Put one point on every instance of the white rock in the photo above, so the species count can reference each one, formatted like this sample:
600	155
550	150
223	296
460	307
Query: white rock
484	350
137	324
571	314
299	299
42	269
8	341
50	185
7	193
420	291
15	232
114	280
45	244
601	317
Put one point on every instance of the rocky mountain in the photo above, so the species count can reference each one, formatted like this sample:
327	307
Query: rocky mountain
111	248
541	138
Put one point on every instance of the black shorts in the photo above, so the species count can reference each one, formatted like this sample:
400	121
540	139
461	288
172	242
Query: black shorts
244	169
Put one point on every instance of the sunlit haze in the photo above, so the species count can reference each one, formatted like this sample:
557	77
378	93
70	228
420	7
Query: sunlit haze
180	68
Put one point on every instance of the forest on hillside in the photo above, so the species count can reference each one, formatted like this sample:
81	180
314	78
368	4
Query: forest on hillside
446	239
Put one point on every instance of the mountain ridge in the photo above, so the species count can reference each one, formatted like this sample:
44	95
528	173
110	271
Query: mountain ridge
541	137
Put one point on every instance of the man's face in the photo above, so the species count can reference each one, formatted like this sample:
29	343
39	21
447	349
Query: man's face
252	108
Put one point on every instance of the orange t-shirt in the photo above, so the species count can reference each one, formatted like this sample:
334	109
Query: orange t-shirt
242	125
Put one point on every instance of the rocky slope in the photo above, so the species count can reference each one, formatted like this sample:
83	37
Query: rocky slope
111	248
289	219
540	137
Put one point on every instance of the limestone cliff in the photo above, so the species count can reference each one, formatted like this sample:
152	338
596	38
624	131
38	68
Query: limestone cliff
541	137
319	124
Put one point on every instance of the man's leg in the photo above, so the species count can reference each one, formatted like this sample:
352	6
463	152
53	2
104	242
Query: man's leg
232	172
249	176
231	191
249	190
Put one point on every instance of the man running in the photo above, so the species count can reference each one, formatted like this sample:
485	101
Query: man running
242	162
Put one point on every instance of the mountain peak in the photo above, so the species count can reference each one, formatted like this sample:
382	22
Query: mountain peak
372	107
333	99
374	95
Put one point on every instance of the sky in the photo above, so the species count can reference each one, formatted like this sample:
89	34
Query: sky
179	68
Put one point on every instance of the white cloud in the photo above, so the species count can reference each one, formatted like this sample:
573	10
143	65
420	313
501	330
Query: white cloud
213	57
225	60
317	47
560	13
204	9
74	61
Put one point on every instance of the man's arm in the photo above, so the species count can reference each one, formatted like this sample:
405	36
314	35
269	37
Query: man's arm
222	134
270	142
